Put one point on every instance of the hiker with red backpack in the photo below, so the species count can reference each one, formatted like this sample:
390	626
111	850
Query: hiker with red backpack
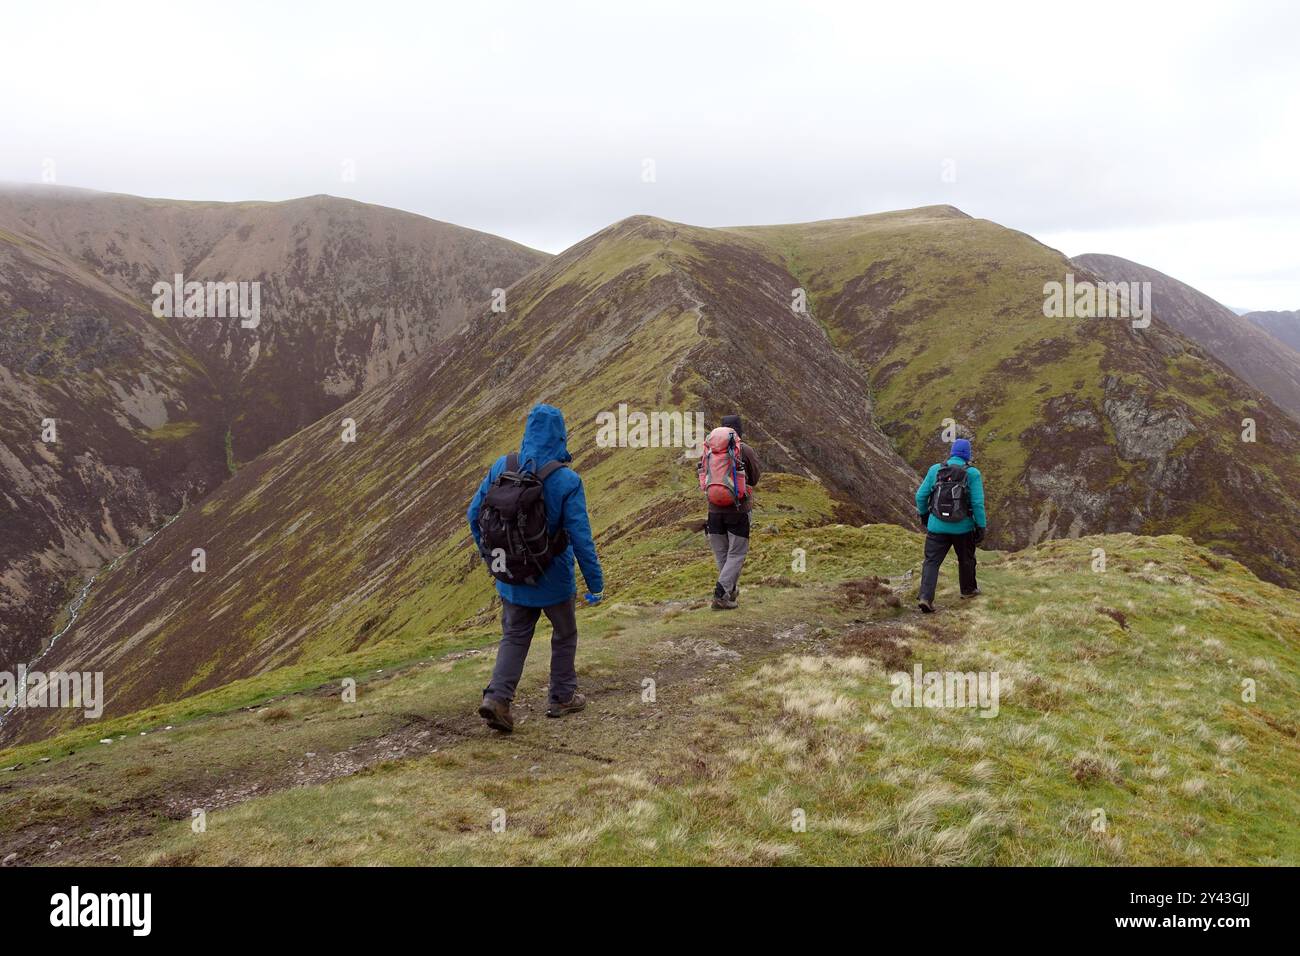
728	472
950	506
529	521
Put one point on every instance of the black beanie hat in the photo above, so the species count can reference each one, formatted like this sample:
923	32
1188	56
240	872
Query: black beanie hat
733	422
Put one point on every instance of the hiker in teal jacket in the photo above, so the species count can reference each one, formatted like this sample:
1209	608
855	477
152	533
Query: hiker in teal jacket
962	535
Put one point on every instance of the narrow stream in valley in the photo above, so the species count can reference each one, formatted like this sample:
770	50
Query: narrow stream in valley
74	609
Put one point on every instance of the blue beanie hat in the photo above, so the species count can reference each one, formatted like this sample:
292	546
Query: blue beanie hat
961	449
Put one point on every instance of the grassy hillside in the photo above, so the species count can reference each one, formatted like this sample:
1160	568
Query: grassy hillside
135	433
1121	694
1080	425
156	412
323	546
1257	356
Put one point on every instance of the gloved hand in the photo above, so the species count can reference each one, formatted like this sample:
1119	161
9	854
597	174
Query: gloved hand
593	599
925	522
979	535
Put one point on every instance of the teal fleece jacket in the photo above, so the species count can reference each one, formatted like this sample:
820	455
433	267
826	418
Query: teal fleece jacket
934	525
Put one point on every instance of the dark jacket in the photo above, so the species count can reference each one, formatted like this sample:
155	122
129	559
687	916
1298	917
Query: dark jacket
566	506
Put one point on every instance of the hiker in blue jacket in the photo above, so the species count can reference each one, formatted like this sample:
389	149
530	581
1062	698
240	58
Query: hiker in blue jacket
555	591
960	528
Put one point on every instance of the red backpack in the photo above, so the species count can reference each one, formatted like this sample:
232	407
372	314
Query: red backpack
722	472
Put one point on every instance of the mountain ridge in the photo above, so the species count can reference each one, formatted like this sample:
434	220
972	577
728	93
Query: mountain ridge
1080	425
320	547
1283	325
594	314
1262	360
154	412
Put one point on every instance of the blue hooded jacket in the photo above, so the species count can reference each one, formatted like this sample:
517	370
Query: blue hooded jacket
566	507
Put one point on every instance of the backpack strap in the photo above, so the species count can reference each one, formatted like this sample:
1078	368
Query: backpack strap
560	542
549	469
733	456
512	464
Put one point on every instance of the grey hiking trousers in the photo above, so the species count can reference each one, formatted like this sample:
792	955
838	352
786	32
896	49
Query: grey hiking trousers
517	625
728	536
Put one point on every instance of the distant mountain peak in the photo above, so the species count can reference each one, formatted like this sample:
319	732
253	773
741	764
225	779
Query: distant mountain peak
1269	364
154	412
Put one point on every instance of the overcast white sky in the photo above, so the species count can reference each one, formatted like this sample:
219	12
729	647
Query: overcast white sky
1164	133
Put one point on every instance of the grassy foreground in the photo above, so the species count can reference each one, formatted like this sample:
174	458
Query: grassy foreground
759	736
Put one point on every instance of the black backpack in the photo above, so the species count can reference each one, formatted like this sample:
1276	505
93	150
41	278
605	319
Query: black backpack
513	535
950	497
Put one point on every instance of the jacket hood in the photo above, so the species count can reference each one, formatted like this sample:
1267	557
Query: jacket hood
544	437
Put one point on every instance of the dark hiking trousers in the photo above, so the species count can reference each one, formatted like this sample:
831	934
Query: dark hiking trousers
936	549
517	625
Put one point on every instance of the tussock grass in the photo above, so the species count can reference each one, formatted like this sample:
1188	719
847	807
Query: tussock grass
1108	748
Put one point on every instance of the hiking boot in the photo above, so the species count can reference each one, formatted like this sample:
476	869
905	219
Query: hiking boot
735	594
574	704
976	593
722	599
927	607
497	714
